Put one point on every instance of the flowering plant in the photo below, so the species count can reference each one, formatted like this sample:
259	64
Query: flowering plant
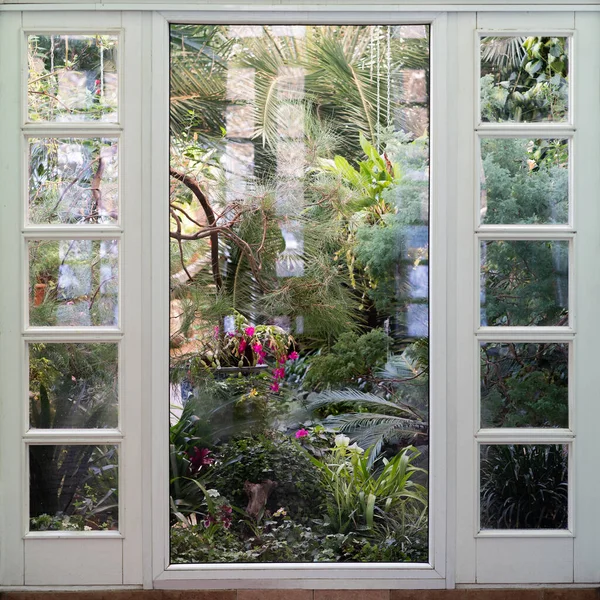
250	345
360	496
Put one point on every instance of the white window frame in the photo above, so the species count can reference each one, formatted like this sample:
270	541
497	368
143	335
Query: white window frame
372	575
142	555
506	557
41	558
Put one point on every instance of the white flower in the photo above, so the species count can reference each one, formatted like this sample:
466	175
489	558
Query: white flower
87	528
355	448
213	493
342	441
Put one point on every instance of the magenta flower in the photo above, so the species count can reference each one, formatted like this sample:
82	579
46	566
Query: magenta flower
249	331
301	433
279	373
257	348
216	328
293	355
261	357
199	458
281	360
274	387
208	521
242	345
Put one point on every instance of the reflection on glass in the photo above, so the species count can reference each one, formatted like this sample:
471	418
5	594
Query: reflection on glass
73	282
73	181
73	385
524	79
524	283
524	385
73	488
524	486
524	181
299	278
72	78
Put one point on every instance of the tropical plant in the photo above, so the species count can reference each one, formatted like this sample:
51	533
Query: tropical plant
524	487
75	481
524	79
360	496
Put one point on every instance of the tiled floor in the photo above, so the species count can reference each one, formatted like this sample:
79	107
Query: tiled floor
470	594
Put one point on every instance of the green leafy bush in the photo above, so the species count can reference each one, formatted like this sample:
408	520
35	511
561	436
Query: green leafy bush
258	458
352	357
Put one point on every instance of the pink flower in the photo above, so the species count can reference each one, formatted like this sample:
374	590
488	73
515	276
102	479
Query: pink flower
242	345
216	328
261	357
301	433
282	359
199	458
249	331
274	387
257	348
279	373
293	355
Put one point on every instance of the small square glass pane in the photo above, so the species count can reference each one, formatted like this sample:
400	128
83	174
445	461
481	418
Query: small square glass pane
524	181
73	488
73	181
73	385
524	282
72	78
524	385
524	79
73	282
524	486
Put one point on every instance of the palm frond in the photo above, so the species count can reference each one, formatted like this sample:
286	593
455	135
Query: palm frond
350	395
503	52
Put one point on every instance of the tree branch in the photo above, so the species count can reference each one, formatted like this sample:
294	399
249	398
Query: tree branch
192	184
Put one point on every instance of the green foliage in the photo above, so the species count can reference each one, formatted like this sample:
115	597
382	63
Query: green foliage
283	540
351	358
524	487
306	248
524	385
373	177
53	59
525	181
277	458
535	89
379	249
73	385
375	422
360	496
73	485
524	282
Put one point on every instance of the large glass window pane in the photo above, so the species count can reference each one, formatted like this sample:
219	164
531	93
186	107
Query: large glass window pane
299	215
73	488
72	78
73	282
524	486
524	79
73	385
524	181
73	181
524	282
524	385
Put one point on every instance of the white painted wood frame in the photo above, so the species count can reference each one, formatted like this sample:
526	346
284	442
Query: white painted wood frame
532	556
138	554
